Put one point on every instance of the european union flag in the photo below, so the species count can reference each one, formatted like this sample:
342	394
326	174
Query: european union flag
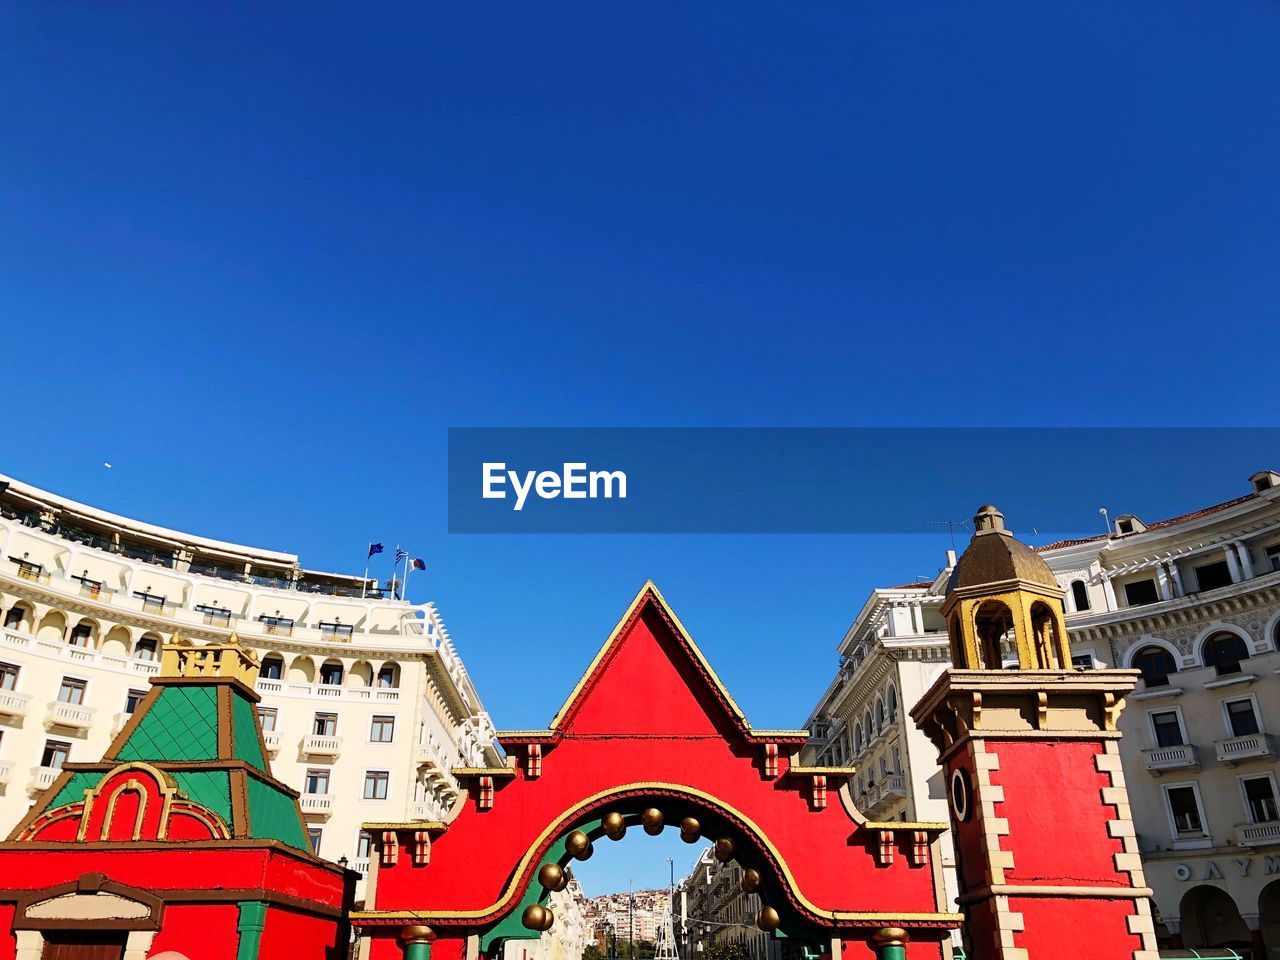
374	548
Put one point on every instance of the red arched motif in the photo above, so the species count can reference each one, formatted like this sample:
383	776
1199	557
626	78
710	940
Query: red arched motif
650	724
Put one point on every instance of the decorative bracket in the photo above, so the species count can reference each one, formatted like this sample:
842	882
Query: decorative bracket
533	761
770	760
390	849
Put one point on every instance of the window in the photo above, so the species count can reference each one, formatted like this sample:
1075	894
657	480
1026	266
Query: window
382	729
71	691
893	704
388	677
133	700
325	725
375	784
1223	652
1213	575
55	753
317	782
80	635
884	767
1080	594
1141	592
145	650
1156	663
8	676
267	718
879	715
1184	811
1273	558
897	761
1082	661
272	668
1166	729
1242	719
1260	799
364	844
331	674
313	835
13	616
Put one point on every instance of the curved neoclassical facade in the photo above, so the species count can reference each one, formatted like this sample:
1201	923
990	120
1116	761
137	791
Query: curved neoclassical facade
366	706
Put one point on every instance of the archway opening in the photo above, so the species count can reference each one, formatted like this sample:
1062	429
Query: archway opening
993	624
1210	918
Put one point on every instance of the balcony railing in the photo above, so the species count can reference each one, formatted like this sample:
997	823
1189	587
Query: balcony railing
13	703
316	804
1180	757
361	866
271	738
422	810
1258	834
321	745
1254	746
6	771
75	716
42	777
57	650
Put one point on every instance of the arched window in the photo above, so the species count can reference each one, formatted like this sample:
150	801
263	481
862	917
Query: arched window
866	726
331	673
147	649
81	635
389	675
857	738
993	623
272	667
1223	652
893	704
1080	595
1156	663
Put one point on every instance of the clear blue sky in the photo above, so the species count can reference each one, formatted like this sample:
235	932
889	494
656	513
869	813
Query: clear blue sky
260	260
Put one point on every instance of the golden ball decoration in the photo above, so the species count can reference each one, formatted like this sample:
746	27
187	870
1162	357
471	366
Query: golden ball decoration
534	917
417	933
548	919
615	826
651	819
750	880
578	845
725	849
690	830
552	877
890	937
768	920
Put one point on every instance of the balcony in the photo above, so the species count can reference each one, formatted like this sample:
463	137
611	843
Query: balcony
1258	834
73	716
885	794
118	722
1181	757
14	704
6	772
1254	746
42	777
422	810
271	739
361	866
318	745
316	804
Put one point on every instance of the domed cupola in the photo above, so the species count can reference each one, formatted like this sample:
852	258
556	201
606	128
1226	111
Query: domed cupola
1003	601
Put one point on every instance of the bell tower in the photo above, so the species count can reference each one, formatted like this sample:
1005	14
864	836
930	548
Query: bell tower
1046	854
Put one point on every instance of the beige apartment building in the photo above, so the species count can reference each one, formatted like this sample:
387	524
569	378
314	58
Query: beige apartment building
366	707
1194	603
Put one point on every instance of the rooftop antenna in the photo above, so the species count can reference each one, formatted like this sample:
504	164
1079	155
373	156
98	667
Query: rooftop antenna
951	527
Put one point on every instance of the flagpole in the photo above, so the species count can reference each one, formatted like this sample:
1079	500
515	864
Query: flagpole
408	569
396	566
364	585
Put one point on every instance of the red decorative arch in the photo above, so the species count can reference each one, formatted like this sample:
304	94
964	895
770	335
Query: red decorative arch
650	724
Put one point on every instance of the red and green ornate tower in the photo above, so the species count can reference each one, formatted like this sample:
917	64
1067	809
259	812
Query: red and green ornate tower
179	839
1046	853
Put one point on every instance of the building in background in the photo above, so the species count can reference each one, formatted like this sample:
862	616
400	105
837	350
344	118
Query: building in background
1194	603
366	707
712	913
567	938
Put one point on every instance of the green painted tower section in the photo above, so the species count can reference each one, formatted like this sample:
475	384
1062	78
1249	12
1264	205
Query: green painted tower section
202	710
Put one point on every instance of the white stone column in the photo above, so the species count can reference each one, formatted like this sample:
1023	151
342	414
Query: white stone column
1233	562
1109	589
1178	589
1246	561
1162	582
